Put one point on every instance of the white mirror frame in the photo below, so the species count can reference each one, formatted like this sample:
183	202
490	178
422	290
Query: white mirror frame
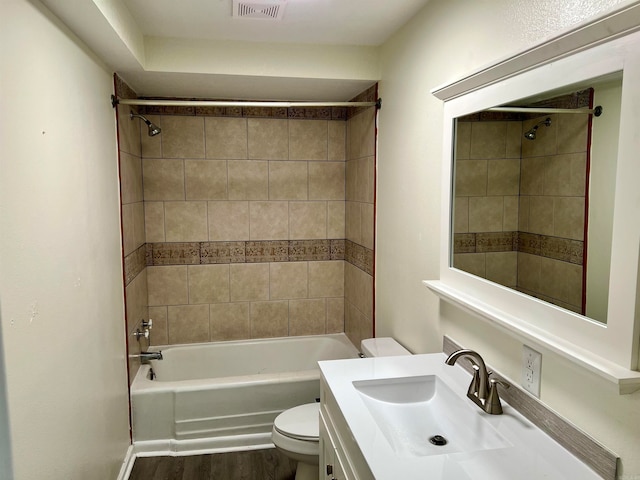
606	45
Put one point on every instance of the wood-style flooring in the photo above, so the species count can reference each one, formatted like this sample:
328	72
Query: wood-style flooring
267	464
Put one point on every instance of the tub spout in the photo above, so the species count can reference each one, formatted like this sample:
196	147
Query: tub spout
146	357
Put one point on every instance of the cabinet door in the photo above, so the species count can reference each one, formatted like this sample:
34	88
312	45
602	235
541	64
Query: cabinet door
330	463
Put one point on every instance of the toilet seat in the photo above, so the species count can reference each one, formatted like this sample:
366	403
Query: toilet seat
300	423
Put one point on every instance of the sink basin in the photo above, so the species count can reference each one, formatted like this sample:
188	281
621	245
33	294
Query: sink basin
416	413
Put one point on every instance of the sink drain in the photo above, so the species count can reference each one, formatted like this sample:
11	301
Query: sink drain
438	440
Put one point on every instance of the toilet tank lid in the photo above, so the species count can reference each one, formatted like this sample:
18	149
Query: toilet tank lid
382	347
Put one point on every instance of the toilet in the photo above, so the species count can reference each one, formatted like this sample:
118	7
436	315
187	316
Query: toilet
296	431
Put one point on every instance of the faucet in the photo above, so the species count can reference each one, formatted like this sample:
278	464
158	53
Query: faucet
483	391
146	357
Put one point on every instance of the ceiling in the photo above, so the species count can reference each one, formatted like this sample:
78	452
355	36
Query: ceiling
320	50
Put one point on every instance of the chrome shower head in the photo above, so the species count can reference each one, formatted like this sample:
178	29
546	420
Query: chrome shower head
153	128
531	134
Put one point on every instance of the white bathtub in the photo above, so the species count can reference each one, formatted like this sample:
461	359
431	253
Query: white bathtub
225	395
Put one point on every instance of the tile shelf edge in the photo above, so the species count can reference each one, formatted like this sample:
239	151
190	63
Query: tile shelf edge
626	381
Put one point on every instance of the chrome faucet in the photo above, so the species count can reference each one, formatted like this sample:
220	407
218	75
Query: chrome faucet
146	357
483	391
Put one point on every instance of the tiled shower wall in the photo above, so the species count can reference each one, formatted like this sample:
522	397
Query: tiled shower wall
519	214
240	223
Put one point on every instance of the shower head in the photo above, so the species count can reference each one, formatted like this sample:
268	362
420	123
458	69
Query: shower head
531	134
153	128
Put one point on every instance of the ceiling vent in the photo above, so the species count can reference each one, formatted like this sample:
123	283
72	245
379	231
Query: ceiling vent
259	9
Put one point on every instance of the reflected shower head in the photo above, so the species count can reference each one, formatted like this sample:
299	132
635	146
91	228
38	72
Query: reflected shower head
153	128
531	134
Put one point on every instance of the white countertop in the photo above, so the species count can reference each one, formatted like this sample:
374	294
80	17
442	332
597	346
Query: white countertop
529	453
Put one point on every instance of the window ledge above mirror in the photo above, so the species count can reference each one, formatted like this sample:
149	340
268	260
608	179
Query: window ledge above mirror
626	381
604	48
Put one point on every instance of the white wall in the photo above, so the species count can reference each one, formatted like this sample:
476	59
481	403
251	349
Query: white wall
446	40
61	276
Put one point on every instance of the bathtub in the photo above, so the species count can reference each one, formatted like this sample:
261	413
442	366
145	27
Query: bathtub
224	396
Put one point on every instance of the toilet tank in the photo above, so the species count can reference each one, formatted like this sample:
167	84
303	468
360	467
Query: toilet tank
382	347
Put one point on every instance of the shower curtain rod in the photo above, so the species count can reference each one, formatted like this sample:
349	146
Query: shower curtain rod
237	103
597	111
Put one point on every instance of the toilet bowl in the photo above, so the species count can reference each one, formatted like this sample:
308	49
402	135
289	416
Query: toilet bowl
296	432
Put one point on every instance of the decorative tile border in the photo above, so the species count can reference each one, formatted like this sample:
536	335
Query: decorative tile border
122	89
589	451
369	95
134	263
557	248
175	253
359	256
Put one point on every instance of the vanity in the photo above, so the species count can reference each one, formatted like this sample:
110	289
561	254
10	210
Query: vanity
409	418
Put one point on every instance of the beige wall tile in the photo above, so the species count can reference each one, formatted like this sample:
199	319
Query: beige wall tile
205	179
154	221
151	146
159	333
463	140
137	302
357	325
182	137
358	289
269	319
229	321
461	215
188	324
361	134
510	216
326	180
565	175
226	138
541	215
502	268
130	178
248	180
307	220
471	178
488	140
335	315
515	136
249	282
288	180
365	180
545	142
337	143
163	179
268	220
568	215
268	139
351	180
307	317
326	279
288	280
353	224
228	221
503	177
335	219
128	131
367	214
308	139
167	285
485	214
473	263
186	221
132	226
523	214
208	283
572	133
561	280
529	271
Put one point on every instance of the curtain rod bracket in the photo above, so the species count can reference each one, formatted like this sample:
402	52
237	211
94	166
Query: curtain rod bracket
379	104
114	101
597	111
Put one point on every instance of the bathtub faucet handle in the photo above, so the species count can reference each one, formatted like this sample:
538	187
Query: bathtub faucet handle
148	324
138	334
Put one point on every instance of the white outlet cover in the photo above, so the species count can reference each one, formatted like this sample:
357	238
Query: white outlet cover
531	370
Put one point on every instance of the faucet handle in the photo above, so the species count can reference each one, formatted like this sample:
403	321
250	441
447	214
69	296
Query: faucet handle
147	324
138	334
493	405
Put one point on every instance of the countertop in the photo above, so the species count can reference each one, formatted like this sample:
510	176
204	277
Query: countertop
526	453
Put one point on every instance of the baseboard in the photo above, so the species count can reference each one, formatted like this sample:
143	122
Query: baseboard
127	464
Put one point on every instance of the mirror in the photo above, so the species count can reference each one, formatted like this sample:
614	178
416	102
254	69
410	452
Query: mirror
532	200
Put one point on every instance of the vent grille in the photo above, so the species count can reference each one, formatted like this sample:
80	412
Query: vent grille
259	9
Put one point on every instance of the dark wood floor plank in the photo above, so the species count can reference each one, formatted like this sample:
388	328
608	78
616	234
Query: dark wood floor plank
268	464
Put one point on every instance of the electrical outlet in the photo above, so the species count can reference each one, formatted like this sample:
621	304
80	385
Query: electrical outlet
531	370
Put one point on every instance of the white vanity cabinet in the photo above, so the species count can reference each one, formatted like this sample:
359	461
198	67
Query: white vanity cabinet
340	457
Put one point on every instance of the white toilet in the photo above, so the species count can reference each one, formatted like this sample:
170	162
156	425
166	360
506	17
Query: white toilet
296	431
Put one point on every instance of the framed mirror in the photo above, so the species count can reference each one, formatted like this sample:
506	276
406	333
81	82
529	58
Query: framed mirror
532	200
589	164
